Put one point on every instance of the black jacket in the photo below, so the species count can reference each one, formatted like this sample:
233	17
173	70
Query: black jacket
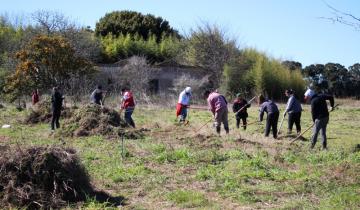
56	100
239	104
319	108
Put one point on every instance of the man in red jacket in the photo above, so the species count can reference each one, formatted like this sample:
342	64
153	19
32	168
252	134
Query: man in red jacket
128	104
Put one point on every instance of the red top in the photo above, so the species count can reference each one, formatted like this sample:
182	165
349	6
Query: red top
128	100
35	98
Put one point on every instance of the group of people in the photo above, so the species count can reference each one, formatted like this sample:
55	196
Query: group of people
218	105
97	97
127	102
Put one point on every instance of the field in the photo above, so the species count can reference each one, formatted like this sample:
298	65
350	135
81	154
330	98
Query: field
176	167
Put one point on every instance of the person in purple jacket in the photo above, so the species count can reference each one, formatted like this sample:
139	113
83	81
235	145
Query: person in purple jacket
272	111
294	109
218	106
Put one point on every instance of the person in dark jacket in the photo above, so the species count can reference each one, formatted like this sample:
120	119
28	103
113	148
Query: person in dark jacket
97	96
56	105
320	115
240	104
294	109
272	111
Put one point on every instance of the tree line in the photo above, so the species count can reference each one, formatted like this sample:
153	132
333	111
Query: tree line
54	50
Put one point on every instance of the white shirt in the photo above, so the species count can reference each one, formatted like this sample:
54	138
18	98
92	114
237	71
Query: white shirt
184	98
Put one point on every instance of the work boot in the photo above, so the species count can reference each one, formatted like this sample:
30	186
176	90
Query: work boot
227	130
218	130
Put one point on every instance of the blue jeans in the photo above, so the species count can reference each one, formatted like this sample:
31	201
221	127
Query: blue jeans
127	116
183	114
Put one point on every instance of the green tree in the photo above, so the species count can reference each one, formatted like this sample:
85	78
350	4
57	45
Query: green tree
130	22
292	65
256	73
43	63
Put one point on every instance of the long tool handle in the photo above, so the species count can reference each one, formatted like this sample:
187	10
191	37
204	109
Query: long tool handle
242	108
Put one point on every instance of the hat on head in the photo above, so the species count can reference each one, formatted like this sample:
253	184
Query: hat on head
238	95
309	93
289	91
188	90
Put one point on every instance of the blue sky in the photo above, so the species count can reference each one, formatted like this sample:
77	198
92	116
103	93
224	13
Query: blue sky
284	29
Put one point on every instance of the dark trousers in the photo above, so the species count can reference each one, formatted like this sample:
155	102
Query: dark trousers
271	122
128	118
294	118
55	118
243	121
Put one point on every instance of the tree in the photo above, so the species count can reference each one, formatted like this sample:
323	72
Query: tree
130	22
354	72
292	65
343	17
52	23
136	74
337	75
314	74
208	47
45	62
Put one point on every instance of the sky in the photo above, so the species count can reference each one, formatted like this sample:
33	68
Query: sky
284	29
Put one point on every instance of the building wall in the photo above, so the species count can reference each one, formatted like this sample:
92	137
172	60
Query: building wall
161	76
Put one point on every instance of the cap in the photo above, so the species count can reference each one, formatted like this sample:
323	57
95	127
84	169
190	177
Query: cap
238	95
309	93
188	90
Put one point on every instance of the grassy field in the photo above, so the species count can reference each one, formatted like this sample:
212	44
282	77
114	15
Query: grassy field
175	167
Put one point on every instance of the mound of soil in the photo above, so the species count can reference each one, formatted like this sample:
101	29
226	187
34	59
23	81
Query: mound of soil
41	112
42	178
94	119
133	134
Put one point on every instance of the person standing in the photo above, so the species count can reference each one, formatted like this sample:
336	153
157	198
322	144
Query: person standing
320	115
294	109
128	104
240	104
218	106
272	111
56	105
97	96
35	97
183	104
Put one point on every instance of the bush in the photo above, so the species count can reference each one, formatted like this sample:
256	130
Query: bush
254	72
125	46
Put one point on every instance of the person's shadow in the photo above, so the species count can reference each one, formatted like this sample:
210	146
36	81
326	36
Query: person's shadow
111	201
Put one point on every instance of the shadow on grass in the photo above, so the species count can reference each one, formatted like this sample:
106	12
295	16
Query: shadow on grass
108	200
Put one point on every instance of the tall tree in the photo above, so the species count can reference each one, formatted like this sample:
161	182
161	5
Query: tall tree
44	62
292	65
130	22
208	47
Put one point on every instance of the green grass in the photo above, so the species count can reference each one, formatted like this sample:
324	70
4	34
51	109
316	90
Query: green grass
172	167
187	199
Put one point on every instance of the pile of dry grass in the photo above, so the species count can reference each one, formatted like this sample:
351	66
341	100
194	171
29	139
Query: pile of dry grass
42	177
41	112
93	119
